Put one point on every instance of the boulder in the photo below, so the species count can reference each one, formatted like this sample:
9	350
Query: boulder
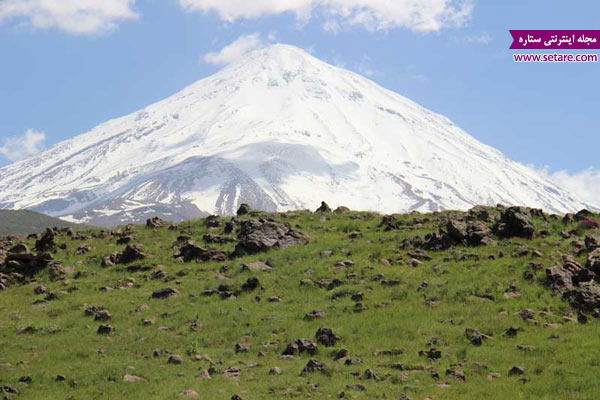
257	236
243	209
191	252
46	242
326	337
154	222
300	346
515	222
323	208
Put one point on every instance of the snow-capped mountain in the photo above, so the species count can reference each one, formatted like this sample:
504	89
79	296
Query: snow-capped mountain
278	130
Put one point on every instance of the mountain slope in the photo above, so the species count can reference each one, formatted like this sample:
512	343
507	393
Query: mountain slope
24	222
279	130
403	322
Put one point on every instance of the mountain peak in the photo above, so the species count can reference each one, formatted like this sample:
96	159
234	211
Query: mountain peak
279	130
283	57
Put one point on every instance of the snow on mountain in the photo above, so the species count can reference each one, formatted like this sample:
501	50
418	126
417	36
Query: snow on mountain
279	130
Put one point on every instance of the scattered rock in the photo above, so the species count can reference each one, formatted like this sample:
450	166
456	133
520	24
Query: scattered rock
258	236
132	378
324	208
105	330
312	366
515	222
300	346
275	371
243	209
326	337
175	359
154	222
315	314
256	266
165	293
251	284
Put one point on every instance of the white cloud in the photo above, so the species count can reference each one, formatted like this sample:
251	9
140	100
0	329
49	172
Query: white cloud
420	16
19	147
482	39
585	184
72	16
365	67
234	51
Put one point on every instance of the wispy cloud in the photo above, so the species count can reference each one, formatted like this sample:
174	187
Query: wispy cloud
373	15
20	147
365	67
483	38
235	50
72	16
584	184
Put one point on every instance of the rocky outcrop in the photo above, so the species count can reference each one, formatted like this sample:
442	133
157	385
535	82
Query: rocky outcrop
256	236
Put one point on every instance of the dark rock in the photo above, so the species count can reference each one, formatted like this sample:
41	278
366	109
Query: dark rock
230	226
46	242
125	239
190	252
217	239
326	337
275	371
339	354
315	314
258	236
212	221
569	218
592	243
300	346
324	208
154	222
475	337
371	375
18	249
175	359
105	329
583	215
102	315
83	249
251	284
515	222
242	348
243	209
512	331
593	261
456	374
391	222
312	366
585	298
130	254
431	354
516	371
165	293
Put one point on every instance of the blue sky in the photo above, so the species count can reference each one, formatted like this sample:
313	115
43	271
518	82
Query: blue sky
69	65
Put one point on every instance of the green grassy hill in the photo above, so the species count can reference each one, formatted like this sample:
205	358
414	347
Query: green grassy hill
418	307
24	222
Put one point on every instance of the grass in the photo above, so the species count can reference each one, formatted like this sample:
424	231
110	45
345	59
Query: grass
23	222
562	365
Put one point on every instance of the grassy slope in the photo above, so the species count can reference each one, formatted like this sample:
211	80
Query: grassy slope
24	222
564	363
